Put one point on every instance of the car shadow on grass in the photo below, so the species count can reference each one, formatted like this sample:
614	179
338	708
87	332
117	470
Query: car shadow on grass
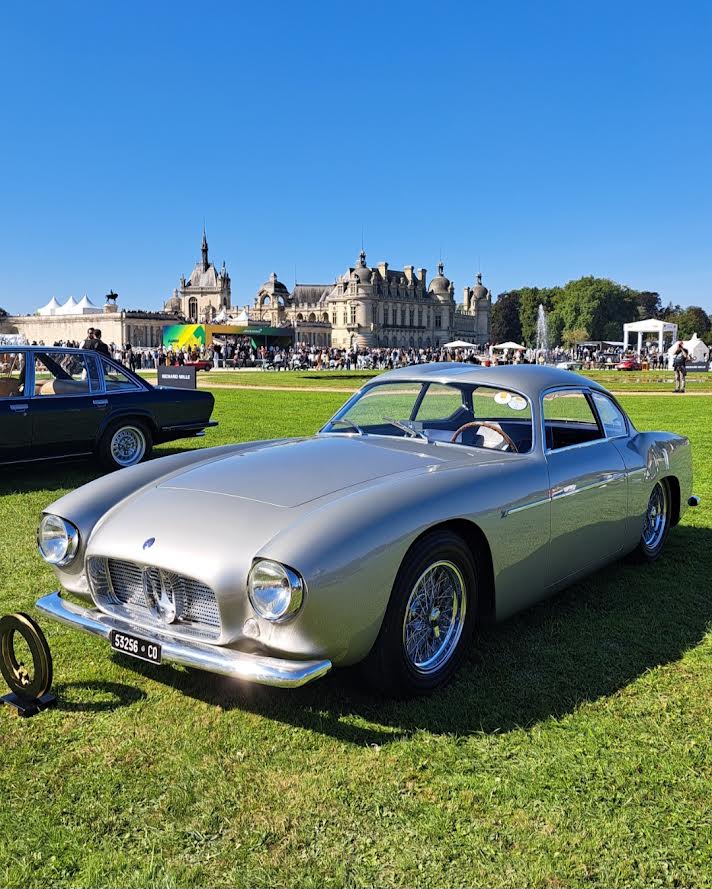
66	474
586	643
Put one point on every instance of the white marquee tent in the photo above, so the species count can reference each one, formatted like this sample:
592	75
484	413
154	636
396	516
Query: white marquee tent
459	344
651	325
695	346
509	345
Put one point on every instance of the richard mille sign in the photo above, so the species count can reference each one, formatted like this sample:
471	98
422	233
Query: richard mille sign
180	377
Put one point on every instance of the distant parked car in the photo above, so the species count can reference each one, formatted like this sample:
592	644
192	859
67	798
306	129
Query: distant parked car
201	364
439	497
59	402
630	363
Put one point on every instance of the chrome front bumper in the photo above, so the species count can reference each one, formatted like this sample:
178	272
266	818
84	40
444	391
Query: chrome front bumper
211	658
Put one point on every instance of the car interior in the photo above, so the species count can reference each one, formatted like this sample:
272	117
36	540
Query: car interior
12	375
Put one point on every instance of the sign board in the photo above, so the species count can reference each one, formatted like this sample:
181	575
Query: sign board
184	336
180	377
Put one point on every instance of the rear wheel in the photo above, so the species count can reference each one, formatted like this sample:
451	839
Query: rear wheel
125	443
656	523
429	621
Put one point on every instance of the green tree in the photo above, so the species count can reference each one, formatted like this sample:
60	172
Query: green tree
505	318
571	336
691	320
597	305
649	305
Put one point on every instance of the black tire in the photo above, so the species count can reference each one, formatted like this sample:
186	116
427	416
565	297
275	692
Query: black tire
25	683
110	444
392	670
657	524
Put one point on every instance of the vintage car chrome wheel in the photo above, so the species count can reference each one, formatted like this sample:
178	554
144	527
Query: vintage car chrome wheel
430	617
656	523
125	444
128	445
434	617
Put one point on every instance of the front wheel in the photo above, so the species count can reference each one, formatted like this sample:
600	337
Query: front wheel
656	523
429	621
125	443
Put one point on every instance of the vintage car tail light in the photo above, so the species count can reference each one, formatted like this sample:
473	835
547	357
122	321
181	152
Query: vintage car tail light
57	539
275	591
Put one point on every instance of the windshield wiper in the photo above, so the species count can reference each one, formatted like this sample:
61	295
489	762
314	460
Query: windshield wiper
413	433
348	423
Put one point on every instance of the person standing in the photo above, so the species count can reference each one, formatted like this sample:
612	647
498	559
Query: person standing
89	342
99	344
680	357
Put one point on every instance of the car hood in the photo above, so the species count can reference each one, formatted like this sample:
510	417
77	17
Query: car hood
291	473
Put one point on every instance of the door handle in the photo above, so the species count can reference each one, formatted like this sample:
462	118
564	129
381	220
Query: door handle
100	402
19	408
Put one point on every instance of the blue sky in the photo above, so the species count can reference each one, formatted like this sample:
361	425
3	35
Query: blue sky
542	141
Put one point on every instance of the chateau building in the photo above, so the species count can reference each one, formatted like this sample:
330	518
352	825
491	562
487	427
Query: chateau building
377	306
205	295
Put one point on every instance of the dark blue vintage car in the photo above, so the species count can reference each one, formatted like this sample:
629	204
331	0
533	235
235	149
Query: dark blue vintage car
60	402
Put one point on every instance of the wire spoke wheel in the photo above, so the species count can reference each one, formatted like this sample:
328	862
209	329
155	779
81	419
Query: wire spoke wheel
128	445
656	517
434	617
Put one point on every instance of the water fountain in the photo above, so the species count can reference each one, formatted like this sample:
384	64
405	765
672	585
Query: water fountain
542	335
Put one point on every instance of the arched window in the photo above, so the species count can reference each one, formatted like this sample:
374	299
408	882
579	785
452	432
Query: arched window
193	309
312	316
325	317
300	317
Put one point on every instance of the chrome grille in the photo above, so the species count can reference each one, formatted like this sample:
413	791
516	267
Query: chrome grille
117	585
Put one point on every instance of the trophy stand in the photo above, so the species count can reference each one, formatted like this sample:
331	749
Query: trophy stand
29	688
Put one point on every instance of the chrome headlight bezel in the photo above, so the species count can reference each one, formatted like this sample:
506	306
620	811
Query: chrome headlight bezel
54	528
276	591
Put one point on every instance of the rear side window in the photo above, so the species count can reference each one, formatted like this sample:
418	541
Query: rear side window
611	417
116	380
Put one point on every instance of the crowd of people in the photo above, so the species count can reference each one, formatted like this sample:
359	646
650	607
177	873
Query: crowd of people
243	353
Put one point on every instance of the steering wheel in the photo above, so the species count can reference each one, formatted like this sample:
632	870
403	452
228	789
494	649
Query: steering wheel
491	426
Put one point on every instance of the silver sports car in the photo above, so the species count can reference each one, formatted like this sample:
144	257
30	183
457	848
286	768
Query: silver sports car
439	496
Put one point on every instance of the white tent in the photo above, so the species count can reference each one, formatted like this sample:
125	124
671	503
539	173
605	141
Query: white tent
85	307
695	346
69	308
459	344
509	345
651	325
50	308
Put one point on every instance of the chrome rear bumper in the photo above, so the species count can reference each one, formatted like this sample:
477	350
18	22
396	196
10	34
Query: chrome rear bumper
211	658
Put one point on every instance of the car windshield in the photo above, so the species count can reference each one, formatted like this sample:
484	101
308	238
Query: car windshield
437	412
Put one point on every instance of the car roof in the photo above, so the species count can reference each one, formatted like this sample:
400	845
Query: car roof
26	347
529	379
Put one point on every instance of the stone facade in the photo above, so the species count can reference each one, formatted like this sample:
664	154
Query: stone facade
205	296
119	327
379	306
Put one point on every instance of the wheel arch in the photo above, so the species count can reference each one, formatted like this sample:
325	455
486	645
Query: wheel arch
478	545
674	487
127	416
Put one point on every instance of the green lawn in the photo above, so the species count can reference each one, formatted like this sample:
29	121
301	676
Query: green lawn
618	381
572	749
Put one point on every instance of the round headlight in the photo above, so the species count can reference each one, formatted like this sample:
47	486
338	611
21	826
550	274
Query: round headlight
57	539
275	591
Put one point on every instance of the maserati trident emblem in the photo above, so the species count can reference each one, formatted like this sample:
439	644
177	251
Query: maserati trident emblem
147	544
159	599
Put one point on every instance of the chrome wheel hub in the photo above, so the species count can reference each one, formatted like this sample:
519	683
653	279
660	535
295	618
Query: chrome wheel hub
128	445
434	617
656	517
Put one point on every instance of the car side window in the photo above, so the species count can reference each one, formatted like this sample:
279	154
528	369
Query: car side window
439	402
60	373
569	419
12	375
115	379
612	418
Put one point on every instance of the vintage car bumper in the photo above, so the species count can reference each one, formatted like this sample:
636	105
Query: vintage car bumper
211	658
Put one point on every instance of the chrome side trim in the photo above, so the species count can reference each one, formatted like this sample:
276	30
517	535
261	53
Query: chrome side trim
530	505
568	490
212	658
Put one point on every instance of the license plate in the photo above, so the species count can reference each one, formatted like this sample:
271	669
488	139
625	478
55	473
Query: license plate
136	647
